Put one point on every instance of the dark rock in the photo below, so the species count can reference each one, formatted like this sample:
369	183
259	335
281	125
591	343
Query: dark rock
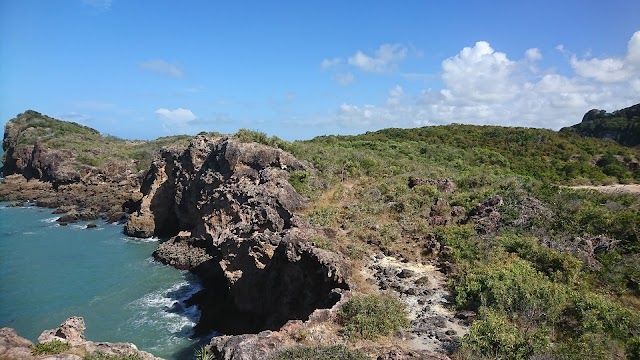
406	273
450	332
91	226
228	207
486	216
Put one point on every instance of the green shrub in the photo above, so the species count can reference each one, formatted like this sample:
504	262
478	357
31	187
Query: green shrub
52	347
494	336
511	285
323	216
371	316
335	352
300	180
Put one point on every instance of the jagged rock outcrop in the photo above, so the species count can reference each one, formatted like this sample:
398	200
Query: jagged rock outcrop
14	347
229	208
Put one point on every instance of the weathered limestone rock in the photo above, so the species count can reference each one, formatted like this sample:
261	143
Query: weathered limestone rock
14	347
71	331
229	210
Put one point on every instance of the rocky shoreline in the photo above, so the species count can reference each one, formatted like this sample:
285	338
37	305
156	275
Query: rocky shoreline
71	332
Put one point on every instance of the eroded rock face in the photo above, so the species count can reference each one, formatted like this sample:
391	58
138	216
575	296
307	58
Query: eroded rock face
230	211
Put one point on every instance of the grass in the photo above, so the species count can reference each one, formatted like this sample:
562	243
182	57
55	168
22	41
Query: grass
50	348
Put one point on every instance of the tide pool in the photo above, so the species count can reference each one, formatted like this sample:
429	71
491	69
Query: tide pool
50	272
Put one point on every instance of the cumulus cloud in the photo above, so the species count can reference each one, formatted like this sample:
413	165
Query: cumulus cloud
385	59
102	5
179	119
162	67
612	69
485	86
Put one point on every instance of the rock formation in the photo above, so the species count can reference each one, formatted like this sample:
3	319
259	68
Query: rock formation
14	347
46	162
230	211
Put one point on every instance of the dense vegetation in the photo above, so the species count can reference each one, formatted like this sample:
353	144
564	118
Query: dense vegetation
558	278
622	125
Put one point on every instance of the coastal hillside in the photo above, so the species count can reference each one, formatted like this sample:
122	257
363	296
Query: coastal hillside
457	241
621	125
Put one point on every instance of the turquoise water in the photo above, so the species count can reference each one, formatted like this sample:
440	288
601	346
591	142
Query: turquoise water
50	272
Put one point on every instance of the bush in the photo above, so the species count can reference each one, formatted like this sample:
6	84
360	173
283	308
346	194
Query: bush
51	347
511	285
335	352
494	336
371	316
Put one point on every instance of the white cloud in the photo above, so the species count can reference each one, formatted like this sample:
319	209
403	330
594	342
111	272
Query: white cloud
102	5
176	120
479	74
344	79
612	69
485	86
385	59
162	67
327	63
533	54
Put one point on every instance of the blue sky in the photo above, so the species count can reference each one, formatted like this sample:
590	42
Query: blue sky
297	69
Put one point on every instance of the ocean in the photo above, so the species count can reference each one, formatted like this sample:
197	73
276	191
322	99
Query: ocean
50	272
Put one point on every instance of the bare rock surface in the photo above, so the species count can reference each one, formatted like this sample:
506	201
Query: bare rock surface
422	288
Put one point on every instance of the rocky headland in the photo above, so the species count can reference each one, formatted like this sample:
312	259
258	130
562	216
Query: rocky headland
228	209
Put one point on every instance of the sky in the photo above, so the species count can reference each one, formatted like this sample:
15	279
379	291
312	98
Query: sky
141	69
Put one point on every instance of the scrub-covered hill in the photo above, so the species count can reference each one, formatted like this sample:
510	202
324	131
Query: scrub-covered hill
621	125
